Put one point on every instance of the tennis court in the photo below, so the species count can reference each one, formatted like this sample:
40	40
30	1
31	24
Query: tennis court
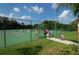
18	36
23	35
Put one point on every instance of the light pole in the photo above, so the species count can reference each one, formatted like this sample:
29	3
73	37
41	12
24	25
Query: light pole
56	20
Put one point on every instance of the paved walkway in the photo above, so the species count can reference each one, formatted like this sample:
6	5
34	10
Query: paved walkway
63	41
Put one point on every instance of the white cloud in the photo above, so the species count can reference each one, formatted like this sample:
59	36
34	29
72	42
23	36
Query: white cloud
29	17
16	17
12	15
64	14
55	5
40	10
28	9
25	7
16	9
25	17
3	15
37	9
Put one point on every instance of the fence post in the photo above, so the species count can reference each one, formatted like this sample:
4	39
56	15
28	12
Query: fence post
31	30
37	29
4	28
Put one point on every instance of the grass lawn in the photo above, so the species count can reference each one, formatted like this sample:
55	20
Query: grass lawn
69	35
39	47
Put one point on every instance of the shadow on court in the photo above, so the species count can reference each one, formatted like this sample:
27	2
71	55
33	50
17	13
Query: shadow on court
30	50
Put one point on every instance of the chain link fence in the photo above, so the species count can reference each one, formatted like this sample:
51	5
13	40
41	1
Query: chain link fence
15	31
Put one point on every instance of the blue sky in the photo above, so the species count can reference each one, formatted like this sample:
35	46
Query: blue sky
39	11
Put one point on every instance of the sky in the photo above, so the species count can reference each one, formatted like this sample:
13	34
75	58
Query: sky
37	11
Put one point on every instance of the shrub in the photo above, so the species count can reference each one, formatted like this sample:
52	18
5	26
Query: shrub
70	50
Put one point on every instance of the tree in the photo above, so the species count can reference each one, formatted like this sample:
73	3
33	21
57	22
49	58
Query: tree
74	7
47	24
10	24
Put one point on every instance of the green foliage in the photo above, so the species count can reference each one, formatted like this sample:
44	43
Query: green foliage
47	24
7	23
74	7
13	24
51	26
30	50
70	49
73	25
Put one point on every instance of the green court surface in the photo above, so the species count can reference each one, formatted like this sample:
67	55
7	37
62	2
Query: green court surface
20	36
17	36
